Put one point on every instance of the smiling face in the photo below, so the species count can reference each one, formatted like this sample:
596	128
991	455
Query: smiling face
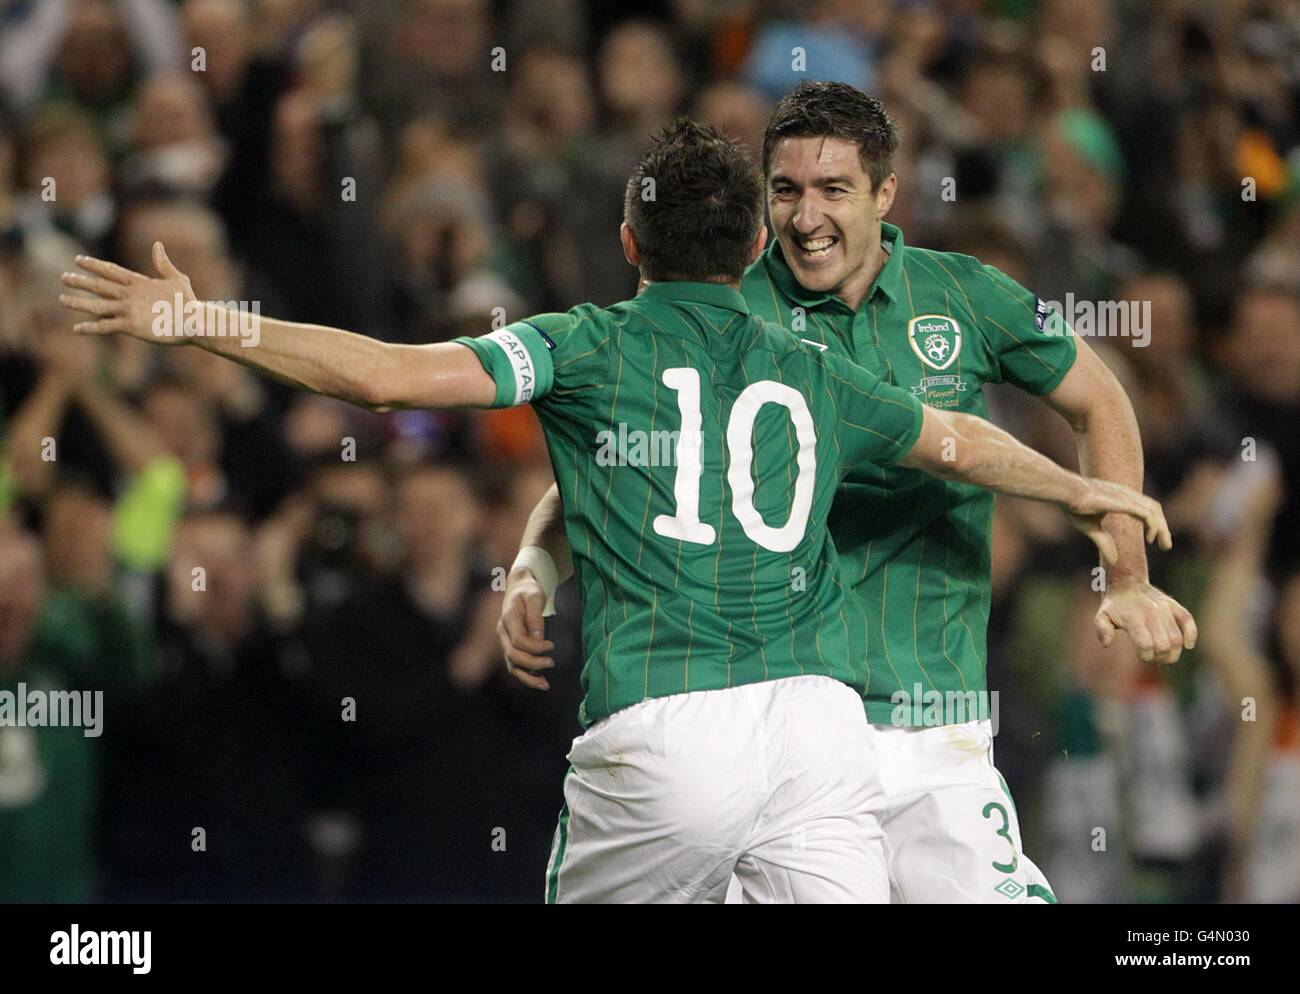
827	214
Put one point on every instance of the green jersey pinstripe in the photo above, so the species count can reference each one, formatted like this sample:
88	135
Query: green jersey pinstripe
915	550
697	450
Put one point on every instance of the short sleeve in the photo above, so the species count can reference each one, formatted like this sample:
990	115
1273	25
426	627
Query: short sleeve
878	422
523	358
518	359
1033	345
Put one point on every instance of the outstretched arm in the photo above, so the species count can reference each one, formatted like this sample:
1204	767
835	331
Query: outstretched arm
329	361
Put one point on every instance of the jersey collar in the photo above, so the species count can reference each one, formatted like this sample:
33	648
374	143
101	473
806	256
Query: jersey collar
887	282
714	294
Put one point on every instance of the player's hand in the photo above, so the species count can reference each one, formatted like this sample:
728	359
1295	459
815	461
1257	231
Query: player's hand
1158	625
521	630
125	302
1098	498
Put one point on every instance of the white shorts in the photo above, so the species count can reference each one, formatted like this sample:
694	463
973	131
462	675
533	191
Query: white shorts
950	825
776	782
951	832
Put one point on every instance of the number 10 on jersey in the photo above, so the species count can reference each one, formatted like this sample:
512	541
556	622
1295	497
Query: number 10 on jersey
685	525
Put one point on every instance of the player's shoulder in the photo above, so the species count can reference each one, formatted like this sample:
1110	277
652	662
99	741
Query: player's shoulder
790	350
558	322
761	334
585	322
987	289
956	265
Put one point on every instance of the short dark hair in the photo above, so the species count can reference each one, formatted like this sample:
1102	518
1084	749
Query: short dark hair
694	204
836	110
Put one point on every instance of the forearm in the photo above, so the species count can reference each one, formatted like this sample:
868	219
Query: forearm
545	529
328	361
978	452
1244	673
1247	770
37	419
324	360
1110	448
337	363
1094	403
1227	606
550	566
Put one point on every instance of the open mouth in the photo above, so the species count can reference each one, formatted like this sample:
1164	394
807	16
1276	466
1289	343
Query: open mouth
815	249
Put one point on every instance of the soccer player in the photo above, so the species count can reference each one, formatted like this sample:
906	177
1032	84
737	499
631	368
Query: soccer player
914	550
725	726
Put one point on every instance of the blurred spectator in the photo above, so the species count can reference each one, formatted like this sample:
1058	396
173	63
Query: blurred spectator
308	229
411	651
174	148
66	177
72	636
1258	665
642	86
737	111
1261	353
430	57
209	778
90	52
823	40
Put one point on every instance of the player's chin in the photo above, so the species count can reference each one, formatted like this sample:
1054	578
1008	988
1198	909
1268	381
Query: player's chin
819	272
818	275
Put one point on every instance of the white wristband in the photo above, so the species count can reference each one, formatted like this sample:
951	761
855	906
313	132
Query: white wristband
537	560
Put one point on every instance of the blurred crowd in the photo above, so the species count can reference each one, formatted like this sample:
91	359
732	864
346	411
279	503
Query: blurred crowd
290	604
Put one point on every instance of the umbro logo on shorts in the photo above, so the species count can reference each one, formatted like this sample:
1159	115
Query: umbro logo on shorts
1009	889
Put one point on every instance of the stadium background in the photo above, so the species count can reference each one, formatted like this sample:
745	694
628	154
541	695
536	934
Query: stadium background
404	168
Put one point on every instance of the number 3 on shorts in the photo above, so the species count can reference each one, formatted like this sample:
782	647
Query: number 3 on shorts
1003	831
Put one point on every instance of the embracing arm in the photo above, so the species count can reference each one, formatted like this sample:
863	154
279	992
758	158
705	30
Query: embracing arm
543	563
545	530
1105	428
969	449
950	445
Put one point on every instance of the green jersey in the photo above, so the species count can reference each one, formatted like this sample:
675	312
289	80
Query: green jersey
915	550
697	451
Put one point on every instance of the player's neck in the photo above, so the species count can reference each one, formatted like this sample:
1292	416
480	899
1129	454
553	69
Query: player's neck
731	284
854	290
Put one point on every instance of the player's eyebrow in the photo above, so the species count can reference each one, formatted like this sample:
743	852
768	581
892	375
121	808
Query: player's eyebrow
821	181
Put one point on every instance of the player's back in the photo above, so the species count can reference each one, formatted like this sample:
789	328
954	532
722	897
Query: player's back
697	451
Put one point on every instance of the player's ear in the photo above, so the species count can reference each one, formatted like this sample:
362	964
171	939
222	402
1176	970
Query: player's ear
760	243
885	195
630	252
